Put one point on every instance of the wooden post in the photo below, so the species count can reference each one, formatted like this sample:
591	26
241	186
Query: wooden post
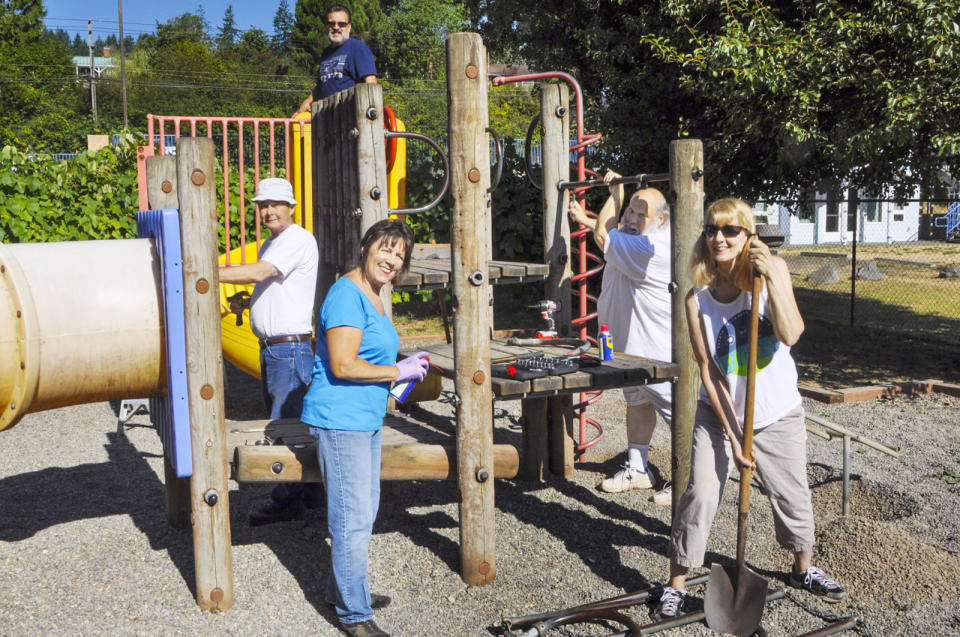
555	116
469	180
686	186
197	193
370	164
162	193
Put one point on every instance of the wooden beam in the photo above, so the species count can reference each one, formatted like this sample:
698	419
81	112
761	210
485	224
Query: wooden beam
209	494
555	117
412	461
686	187
161	194
469	180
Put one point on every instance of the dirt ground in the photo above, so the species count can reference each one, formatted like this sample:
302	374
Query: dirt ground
837	356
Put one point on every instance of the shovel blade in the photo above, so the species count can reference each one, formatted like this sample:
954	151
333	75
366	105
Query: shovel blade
732	604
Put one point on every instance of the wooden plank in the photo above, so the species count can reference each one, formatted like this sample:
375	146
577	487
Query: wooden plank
535	455
686	188
370	184
405	461
162	193
469	180
209	493
162	182
560	419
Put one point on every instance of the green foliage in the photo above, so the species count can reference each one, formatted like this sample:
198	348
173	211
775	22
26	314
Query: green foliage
91	197
227	33
517	216
309	33
412	39
282	28
785	95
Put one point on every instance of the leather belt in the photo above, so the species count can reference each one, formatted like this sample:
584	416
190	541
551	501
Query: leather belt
293	338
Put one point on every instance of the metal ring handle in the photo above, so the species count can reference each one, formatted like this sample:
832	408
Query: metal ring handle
446	172
528	152
498	144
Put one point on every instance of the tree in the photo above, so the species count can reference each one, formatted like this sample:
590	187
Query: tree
282	27
186	27
228	32
414	34
35	103
784	94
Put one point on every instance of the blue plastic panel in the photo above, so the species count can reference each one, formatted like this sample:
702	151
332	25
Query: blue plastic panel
171	413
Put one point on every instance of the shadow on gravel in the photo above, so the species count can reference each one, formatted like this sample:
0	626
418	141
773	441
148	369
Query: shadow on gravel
125	485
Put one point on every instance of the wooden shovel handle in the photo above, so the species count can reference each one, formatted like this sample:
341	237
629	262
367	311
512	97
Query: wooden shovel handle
746	472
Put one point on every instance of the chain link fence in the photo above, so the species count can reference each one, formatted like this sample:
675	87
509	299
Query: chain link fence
871	262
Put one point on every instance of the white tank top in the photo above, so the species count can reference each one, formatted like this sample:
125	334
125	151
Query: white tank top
728	338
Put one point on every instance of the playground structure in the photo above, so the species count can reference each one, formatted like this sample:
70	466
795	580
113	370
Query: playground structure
150	352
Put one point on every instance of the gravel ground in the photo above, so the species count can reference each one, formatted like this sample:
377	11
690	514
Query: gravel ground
85	548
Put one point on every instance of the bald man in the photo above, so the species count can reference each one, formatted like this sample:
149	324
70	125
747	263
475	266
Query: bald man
635	303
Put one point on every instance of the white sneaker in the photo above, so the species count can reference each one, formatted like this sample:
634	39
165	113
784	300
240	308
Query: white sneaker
664	497
627	479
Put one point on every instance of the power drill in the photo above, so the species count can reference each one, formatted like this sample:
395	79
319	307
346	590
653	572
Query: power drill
546	309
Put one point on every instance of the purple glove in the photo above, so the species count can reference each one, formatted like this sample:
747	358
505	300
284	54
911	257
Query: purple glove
413	367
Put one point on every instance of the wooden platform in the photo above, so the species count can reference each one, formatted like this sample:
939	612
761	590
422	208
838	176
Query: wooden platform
284	451
431	267
427	274
624	370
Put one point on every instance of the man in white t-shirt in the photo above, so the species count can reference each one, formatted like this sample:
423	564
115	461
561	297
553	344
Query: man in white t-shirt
281	312
635	303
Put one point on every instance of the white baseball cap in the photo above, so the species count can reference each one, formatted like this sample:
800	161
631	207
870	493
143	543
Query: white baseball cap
275	189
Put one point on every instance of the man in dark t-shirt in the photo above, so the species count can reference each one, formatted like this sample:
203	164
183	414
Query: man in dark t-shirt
347	61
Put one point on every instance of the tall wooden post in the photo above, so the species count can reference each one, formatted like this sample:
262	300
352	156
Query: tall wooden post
197	194
555	118
162	193
469	180
686	186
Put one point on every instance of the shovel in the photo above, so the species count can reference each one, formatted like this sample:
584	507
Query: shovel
736	596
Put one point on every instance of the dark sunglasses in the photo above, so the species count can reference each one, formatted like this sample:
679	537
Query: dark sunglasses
333	23
729	231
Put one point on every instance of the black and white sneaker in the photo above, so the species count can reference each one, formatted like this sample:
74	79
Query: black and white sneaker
816	581
671	604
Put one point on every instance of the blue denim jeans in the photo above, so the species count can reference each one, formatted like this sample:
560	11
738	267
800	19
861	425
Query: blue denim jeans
286	370
350	466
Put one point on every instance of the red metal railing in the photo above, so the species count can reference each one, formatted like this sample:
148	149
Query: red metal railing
579	280
256	137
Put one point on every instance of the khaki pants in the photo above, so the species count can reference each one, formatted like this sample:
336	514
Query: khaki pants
780	450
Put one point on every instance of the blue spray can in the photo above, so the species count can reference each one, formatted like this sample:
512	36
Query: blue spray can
605	340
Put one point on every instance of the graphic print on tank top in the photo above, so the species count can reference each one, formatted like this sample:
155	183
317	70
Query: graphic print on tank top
733	344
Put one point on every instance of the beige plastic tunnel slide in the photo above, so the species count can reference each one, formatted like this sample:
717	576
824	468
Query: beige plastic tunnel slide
80	322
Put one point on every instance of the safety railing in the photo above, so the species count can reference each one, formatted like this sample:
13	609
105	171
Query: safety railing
271	146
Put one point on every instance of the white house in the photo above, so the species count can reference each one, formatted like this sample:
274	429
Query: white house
828	218
81	63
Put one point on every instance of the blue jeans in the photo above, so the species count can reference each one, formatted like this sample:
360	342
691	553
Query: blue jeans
286	370
350	466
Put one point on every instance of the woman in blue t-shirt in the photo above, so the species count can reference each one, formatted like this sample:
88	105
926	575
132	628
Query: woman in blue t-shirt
355	363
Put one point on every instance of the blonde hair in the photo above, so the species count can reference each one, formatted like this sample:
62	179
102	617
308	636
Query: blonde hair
724	212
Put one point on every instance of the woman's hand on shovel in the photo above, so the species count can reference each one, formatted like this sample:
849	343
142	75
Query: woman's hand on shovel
742	461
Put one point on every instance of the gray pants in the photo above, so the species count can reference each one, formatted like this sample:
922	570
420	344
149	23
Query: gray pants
780	450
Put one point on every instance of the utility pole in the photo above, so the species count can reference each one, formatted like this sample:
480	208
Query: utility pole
93	81
123	64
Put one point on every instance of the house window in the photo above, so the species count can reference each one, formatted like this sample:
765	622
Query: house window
870	210
833	212
898	217
806	207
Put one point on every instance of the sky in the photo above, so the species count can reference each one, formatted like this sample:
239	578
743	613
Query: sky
141	16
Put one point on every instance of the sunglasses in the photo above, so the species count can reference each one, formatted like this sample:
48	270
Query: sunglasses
729	231
334	23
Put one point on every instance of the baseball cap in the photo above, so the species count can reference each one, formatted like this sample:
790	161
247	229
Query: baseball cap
275	189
